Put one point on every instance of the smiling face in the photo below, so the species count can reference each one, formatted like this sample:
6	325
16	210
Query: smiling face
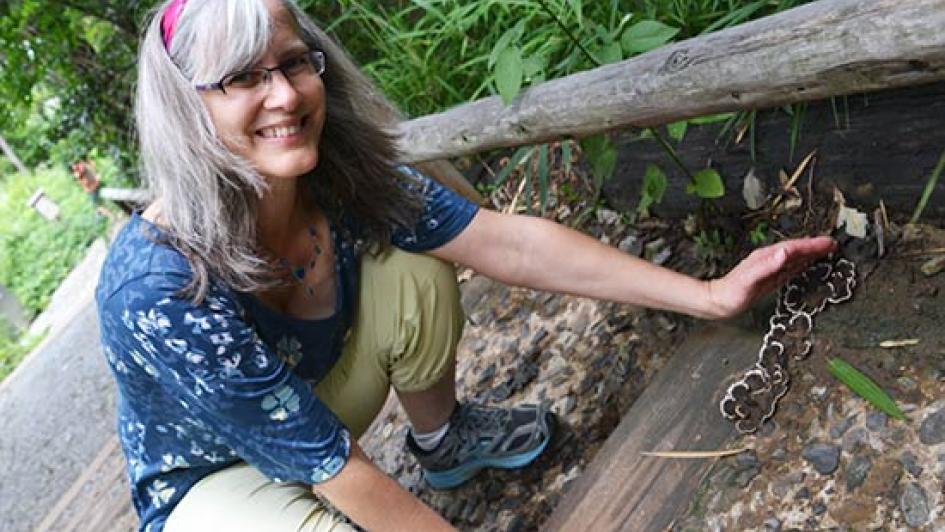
276	128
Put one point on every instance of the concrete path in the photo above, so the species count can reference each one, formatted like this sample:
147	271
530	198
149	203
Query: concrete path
57	409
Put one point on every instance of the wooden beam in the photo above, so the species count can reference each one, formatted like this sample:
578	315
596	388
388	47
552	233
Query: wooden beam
8	151
624	490
818	50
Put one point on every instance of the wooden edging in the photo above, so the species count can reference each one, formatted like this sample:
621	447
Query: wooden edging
822	49
623	489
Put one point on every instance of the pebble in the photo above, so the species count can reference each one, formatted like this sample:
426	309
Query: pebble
910	463
662	257
607	217
914	504
854	439
876	421
802	494
744	477
837	430
818	507
932	430
773	524
857	471
747	459
823	456
779	454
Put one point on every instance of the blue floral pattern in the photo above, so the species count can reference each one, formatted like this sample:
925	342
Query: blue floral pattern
203	386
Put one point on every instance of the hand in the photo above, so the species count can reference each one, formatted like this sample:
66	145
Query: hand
763	271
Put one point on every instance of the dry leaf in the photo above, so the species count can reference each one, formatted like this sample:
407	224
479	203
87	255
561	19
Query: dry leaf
855	222
753	191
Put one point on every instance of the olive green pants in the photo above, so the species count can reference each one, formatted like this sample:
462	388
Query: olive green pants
409	321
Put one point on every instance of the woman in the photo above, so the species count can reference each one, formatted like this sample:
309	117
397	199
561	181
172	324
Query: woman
256	314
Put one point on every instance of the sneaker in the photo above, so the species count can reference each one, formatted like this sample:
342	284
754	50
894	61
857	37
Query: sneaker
482	436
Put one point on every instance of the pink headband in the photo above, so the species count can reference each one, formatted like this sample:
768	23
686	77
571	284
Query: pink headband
169	21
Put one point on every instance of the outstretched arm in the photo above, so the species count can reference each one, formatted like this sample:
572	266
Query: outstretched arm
540	254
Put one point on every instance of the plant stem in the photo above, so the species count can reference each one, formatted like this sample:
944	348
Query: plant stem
670	151
929	186
570	35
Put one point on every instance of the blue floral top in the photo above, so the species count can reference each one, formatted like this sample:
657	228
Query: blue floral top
202	386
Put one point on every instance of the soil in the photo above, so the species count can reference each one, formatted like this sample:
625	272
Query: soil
592	359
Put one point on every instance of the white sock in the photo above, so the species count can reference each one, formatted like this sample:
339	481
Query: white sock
430	440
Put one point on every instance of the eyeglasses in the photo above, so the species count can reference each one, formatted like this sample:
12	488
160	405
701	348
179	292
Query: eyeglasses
296	68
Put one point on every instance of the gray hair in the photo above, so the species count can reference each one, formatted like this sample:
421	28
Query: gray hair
210	195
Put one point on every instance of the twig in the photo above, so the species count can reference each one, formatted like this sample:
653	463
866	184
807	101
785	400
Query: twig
695	454
570	35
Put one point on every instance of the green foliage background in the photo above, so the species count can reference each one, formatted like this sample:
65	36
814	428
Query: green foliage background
35	253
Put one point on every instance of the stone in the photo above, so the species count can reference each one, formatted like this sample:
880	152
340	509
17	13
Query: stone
607	217
857	470
876	421
818	507
932	430
779	454
855	439
802	494
910	463
662	257
823	456
914	504
837	430
747	459
772	524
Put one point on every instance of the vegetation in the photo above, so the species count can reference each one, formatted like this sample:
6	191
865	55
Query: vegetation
35	253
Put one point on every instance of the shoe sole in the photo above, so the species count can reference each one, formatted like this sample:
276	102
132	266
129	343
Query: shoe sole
452	478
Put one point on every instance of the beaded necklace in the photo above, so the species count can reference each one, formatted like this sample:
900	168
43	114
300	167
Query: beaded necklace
300	271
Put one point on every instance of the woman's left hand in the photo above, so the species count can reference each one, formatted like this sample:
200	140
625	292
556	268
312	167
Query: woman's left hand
764	270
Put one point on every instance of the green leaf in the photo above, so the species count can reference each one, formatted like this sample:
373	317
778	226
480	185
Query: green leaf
533	65
601	153
707	184
646	35
511	35
509	73
677	130
864	387
610	53
516	159
654	186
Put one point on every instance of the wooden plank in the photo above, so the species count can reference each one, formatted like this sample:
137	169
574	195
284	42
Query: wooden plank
623	490
878	146
818	50
98	501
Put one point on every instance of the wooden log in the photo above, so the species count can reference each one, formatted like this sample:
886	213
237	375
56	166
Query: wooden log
818	50
878	146
624	490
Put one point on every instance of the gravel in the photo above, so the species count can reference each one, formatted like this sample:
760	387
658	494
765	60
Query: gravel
914	504
825	457
932	431
857	471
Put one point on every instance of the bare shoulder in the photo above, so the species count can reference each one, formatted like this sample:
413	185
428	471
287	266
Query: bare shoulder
153	214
